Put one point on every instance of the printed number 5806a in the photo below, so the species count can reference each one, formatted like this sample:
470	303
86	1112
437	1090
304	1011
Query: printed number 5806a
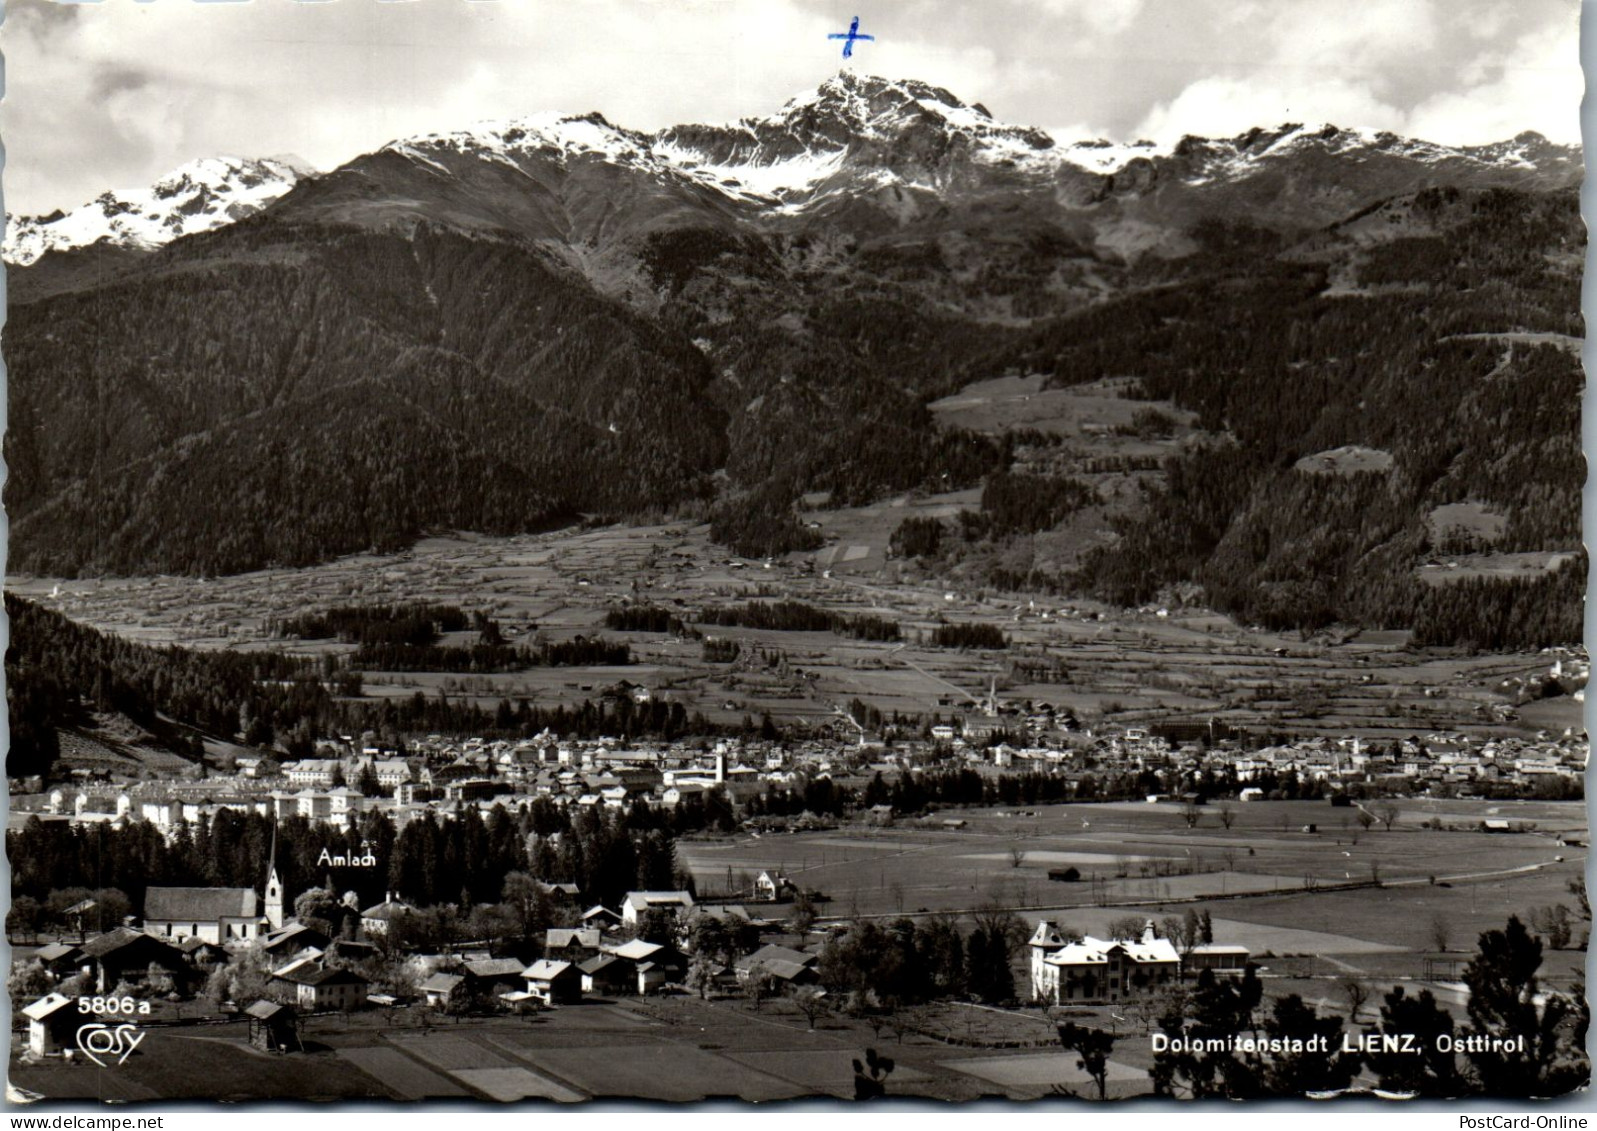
112	1005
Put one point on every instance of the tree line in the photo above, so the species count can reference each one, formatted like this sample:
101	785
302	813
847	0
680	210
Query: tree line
797	616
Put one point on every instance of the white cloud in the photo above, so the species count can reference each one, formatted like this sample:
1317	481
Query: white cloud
115	94
1396	65
1105	17
1538	85
1367	37
1224	107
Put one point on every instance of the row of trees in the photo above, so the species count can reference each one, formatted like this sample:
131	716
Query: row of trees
796	616
463	861
907	961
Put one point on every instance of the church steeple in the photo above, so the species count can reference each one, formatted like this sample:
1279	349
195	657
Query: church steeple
274	888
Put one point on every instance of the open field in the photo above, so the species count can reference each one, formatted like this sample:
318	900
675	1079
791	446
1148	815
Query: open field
1461	567
1120	666
1351	459
1038	1073
1129	843
1268	885
1088	413
675	1049
177	1064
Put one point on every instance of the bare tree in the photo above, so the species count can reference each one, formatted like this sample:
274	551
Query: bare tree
1017	856
758	985
1190	812
1184	933
1441	932
1554	924
1577	888
1357	994
901	1021
811	1003
1366	819
1126	927
1389	814
1228	816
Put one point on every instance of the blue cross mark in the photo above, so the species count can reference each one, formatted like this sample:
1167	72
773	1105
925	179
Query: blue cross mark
848	37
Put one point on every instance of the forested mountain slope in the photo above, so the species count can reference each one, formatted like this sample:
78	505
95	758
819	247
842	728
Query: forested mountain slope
505	327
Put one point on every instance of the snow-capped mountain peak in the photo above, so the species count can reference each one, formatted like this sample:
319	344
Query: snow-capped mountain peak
898	125
195	197
562	135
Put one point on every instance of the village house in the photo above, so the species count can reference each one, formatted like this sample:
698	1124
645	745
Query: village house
375	919
126	955
59	959
607	974
323	988
601	917
554	982
574	944
201	954
777	964
653	965
53	1024
638	902
292	939
770	887
487	977
442	991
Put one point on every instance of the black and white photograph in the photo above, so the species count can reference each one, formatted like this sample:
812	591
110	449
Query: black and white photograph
732	551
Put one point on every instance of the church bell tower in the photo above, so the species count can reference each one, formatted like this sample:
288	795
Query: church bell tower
274	889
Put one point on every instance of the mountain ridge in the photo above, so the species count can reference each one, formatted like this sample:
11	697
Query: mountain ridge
851	135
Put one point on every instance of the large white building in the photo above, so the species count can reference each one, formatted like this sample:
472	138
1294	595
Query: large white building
1099	970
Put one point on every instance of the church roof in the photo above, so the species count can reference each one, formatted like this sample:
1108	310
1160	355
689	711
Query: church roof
199	905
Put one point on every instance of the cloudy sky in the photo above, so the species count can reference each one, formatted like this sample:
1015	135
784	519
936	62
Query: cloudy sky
115	93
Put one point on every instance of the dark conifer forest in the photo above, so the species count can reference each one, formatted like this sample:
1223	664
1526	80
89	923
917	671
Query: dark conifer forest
315	380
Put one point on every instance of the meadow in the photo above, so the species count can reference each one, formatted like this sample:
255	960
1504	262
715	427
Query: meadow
1131	667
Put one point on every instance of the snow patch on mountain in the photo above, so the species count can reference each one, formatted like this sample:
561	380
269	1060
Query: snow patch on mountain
560	135
195	197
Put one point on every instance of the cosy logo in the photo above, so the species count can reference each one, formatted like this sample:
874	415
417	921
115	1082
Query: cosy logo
98	1040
